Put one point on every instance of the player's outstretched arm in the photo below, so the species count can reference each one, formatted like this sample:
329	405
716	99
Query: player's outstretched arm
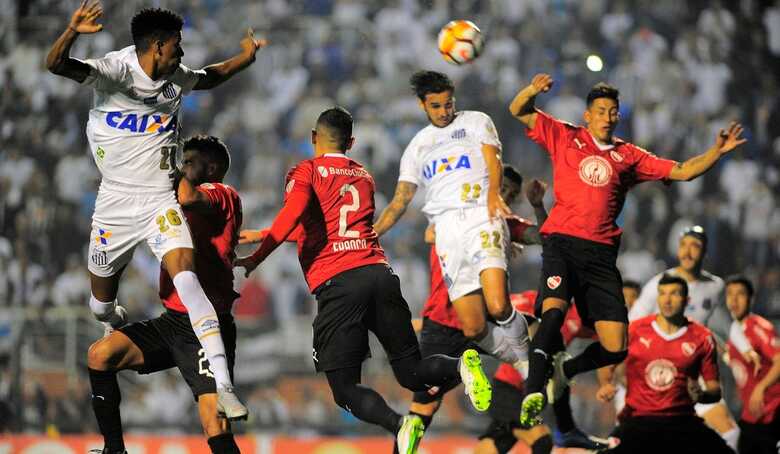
58	61
534	192
404	193
726	141
220	72
522	107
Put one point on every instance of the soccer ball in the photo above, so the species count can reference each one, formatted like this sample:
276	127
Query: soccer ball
460	42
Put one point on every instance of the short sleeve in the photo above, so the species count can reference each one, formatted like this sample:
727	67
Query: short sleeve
709	362
649	167
106	74
767	340
485	131
548	132
186	78
409	170
299	179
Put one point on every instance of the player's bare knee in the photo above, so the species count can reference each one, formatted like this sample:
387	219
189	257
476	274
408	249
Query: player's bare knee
102	355
474	330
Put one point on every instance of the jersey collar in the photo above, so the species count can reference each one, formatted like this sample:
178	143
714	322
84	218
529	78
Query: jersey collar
669	337
334	155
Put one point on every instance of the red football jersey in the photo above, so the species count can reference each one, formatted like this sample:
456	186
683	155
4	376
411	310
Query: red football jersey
215	236
337	227
572	328
590	182
765	342
659	366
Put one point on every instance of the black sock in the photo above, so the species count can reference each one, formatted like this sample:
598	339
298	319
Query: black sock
425	419
418	374
542	348
562	410
592	358
543	445
223	444
105	403
363	402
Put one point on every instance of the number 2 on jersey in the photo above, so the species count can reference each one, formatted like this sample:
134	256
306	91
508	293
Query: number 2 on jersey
469	192
168	157
348	208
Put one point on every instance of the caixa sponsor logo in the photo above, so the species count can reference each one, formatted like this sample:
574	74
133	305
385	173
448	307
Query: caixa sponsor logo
447	164
147	123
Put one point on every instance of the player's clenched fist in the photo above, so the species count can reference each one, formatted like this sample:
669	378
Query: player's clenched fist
85	17
541	83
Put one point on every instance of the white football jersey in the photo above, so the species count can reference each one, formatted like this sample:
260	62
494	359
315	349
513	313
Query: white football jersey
705	295
133	125
449	163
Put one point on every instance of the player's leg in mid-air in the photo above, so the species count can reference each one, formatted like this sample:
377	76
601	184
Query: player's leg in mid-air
369	298
473	256
572	267
151	346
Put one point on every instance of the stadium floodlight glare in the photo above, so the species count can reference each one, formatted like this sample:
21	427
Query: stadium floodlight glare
594	63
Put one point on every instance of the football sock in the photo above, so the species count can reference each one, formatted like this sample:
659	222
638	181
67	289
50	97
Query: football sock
515	329
205	324
104	312
105	403
543	445
223	444
494	342
417	374
542	348
562	409
593	357
363	402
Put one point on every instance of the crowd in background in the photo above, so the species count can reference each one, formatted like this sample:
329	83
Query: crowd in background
684	70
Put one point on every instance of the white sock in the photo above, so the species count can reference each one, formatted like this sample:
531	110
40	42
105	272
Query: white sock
731	437
205	324
515	329
495	344
104	312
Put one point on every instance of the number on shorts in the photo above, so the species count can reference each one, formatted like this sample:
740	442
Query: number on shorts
345	209
203	367
470	192
486	237
173	218
168	157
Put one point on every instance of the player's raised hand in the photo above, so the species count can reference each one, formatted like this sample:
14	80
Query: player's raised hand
497	207
84	19
248	263
730	139
541	83
535	191
250	44
606	392
251	236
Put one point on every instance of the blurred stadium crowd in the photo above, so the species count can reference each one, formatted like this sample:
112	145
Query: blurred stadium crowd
683	68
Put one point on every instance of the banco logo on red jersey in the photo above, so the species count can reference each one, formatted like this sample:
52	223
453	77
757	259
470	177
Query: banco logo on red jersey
147	123
448	164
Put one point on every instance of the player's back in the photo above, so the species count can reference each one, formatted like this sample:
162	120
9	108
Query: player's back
133	125
338	224
215	236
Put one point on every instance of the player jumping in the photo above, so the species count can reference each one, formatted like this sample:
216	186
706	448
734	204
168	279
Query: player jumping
457	158
330	200
132	131
592	172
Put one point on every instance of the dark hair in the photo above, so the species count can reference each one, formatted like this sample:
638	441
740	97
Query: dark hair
424	82
696	231
338	121
215	150
512	174
631	284
603	90
667	279
741	279
154	24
